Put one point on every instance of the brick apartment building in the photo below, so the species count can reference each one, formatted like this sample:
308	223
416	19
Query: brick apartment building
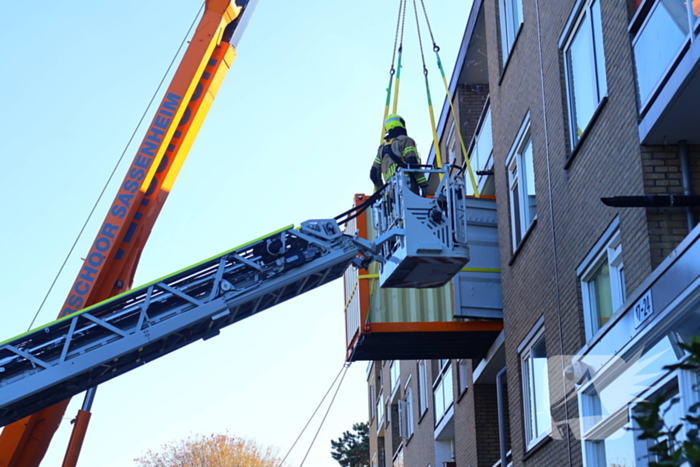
561	103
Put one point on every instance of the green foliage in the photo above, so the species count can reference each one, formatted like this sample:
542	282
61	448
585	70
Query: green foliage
352	449
668	449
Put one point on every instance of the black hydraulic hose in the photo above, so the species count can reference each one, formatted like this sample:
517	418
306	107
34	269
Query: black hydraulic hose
357	210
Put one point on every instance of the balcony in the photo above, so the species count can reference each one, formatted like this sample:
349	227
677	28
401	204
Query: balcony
667	56
459	320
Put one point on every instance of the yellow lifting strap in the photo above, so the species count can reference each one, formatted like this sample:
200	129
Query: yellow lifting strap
394	71
455	116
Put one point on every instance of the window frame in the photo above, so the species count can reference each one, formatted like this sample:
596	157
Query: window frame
422	388
520	223
406	420
583	10
381	412
394	378
443	381
462	376
611	254
452	145
525	355
509	26
484	162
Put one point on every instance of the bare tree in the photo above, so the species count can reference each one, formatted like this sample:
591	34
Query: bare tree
216	450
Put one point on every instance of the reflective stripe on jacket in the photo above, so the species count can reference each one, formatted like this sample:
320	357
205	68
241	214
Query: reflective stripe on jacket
404	148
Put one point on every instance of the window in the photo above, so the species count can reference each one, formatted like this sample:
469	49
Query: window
443	390
511	12
603	285
422	387
395	376
483	143
406	414
452	145
380	412
521	183
662	34
463	376
538	421
481	150
372	402
585	69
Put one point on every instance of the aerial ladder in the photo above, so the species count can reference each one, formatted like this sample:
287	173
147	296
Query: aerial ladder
416	235
109	266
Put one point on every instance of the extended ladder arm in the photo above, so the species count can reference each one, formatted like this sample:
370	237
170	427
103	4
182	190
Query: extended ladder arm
94	345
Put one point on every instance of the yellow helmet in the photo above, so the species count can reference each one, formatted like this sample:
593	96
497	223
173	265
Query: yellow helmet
394	121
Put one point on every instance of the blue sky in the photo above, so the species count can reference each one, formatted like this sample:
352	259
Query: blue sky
290	137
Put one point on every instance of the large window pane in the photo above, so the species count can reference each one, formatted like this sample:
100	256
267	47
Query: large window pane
601	292
521	181
585	69
539	396
511	18
529	180
582	78
658	43
484	143
536	391
443	394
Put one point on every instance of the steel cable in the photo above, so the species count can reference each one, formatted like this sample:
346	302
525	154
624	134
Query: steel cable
344	367
114	170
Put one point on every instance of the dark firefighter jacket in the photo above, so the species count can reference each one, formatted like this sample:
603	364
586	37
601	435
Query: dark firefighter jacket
403	148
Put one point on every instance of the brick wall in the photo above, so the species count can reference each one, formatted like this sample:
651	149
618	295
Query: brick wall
662	176
539	278
465	420
486	415
419	450
469	101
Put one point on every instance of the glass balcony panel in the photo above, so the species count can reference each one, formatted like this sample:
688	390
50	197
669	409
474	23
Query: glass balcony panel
443	395
658	43
484	144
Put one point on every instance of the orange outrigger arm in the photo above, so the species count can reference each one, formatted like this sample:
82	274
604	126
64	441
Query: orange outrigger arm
109	267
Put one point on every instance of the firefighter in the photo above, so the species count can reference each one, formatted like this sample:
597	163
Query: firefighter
397	151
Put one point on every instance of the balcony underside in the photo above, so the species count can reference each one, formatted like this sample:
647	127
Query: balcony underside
418	345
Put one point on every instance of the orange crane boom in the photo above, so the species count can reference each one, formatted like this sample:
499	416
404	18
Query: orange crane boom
108	268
